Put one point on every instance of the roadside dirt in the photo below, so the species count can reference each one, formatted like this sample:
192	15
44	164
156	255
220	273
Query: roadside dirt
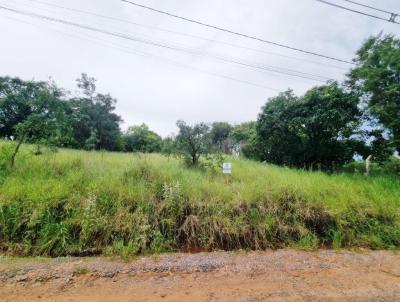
283	275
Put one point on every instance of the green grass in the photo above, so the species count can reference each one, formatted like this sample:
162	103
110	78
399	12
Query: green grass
82	203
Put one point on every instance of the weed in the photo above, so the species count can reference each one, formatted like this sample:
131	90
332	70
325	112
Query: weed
81	271
83	203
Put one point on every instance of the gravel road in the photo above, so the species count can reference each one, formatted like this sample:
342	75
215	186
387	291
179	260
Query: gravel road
282	275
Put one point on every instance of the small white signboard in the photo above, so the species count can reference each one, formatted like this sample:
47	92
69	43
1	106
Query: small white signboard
227	168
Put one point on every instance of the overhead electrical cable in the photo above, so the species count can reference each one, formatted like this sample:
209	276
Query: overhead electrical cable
370	7
184	34
237	33
149	55
163	45
392	19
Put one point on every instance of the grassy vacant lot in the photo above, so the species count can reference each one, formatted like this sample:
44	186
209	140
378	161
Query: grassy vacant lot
76	202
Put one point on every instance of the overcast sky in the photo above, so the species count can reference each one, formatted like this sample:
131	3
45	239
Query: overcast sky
159	86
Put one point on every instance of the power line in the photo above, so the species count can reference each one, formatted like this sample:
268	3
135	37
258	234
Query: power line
148	55
261	68
158	44
237	33
183	34
144	54
370	7
392	19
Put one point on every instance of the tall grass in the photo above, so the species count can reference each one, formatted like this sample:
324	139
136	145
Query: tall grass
78	202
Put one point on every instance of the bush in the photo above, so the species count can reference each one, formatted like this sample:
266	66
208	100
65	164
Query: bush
392	166
388	167
212	163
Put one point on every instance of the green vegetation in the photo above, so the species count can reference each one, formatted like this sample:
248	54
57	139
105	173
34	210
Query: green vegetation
317	128
81	271
141	139
88	202
95	202
376	79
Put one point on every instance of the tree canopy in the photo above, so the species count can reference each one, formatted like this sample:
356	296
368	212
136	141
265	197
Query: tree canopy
87	121
193	141
315	129
376	80
142	139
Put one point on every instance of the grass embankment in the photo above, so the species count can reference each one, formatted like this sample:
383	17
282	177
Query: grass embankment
76	202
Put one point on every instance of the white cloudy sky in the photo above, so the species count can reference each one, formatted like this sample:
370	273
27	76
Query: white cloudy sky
154	87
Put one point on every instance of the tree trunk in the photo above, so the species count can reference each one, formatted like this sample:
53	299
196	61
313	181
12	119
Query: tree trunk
194	159
20	141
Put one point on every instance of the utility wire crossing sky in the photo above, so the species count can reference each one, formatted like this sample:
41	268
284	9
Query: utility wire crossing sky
214	60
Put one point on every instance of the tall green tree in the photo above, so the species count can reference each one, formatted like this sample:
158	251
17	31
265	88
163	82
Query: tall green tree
277	131
219	135
376	79
95	125
329	118
193	141
16	102
317	129
20	100
142	139
243	138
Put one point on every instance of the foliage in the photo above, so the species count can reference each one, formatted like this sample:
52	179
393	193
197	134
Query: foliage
376	79
212	163
219	136
390	166
33	110
94	123
314	130
82	122
243	132
244	140
379	147
193	141
83	203
168	146
142	139
16	97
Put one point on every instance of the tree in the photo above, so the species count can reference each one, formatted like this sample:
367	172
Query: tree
330	118
314	130
94	122
277	137
193	141
16	97
87	121
376	145
142	139
45	124
376	79
219	135
168	146
243	138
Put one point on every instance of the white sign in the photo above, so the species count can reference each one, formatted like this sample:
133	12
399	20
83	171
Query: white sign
227	168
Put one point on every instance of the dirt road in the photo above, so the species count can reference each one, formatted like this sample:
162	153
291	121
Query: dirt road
283	275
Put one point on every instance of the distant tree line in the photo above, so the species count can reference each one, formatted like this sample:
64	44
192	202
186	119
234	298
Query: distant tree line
323	129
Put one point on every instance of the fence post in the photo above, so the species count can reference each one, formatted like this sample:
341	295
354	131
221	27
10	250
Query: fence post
368	165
